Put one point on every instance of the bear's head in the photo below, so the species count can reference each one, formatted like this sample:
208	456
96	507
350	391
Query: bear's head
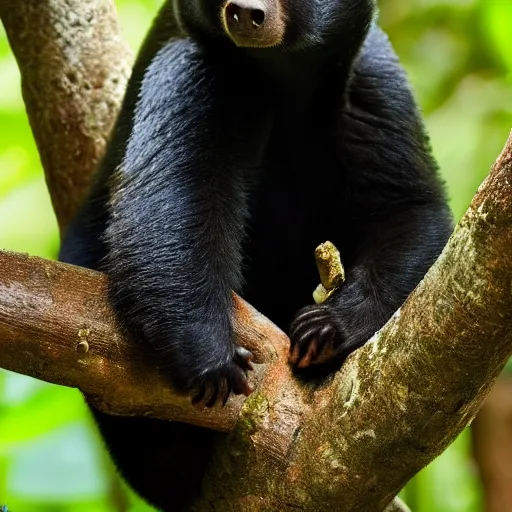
290	24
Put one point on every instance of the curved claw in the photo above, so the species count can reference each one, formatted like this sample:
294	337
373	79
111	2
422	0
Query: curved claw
241	385
315	336
216	386
243	358
198	397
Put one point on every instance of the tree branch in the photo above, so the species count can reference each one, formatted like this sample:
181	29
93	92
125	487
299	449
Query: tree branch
56	325
74	67
350	444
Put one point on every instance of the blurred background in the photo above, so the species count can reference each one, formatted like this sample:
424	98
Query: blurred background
458	54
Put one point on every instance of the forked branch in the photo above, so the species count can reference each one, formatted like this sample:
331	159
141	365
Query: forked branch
348	444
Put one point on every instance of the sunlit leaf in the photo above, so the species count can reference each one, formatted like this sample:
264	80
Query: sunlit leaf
497	19
52	407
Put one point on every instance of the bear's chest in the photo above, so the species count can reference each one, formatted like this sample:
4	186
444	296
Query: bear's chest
296	204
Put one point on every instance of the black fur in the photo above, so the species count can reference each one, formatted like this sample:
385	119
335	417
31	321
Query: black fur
228	166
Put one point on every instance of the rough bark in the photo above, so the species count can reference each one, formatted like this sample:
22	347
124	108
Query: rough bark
56	325
74	67
348	444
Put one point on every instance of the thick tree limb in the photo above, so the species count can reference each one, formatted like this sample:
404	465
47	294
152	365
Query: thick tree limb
350	444
56	325
74	67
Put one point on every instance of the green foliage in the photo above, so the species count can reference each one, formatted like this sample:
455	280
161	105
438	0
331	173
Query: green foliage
459	57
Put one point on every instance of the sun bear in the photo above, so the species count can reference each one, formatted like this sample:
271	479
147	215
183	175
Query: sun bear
252	131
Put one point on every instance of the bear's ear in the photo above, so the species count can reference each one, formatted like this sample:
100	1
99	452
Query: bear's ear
254	23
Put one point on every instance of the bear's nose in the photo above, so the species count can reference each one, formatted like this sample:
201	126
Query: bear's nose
244	18
253	22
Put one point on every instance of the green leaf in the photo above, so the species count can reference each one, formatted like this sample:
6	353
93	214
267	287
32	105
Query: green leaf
46	410
497	20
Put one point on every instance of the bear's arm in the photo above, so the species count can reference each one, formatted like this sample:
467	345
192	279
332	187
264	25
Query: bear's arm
178	210
397	214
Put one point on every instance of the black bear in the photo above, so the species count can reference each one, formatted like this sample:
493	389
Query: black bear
252	131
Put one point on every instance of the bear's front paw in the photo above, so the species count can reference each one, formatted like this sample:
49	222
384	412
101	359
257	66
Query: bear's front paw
215	385
316	336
